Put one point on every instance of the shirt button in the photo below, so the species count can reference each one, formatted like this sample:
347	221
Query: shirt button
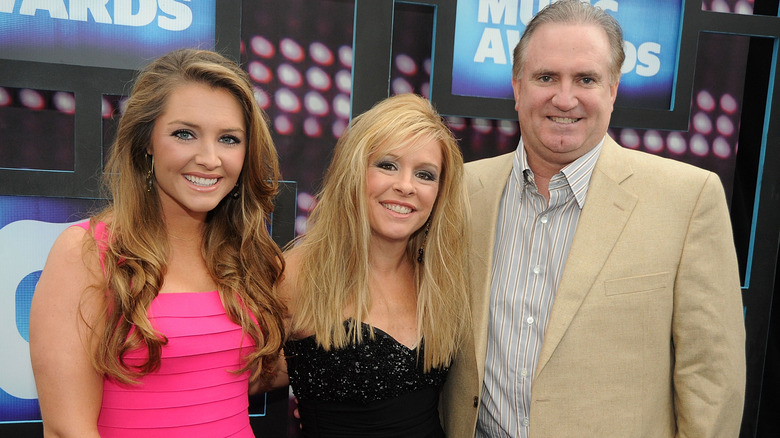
537	269
525	422
530	320
544	219
524	372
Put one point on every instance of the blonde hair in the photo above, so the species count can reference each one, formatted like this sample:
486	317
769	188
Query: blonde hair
238	250
333	274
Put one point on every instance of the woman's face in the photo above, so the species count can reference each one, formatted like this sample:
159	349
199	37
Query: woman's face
198	144
401	188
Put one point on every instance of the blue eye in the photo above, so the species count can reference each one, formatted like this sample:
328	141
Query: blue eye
229	139
183	134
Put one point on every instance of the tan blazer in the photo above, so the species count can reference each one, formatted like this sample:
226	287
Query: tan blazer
646	336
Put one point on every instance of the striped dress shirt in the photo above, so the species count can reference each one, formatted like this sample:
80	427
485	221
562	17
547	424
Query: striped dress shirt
533	238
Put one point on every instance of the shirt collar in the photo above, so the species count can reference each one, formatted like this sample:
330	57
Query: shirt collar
577	174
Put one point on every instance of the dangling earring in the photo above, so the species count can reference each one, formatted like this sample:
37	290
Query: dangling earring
150	172
421	251
236	192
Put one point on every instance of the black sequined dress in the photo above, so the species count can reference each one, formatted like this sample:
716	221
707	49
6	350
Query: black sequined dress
373	389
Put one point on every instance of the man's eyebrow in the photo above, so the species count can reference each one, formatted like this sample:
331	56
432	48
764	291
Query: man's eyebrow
543	72
589	74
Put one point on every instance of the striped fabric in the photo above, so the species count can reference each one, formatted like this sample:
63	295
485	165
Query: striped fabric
196	392
533	239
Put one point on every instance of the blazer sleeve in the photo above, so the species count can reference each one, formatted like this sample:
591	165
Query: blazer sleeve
708	331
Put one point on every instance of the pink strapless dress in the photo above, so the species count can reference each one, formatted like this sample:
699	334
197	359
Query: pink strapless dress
195	392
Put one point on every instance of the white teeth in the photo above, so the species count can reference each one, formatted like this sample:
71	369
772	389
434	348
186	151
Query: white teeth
397	208
563	119
201	181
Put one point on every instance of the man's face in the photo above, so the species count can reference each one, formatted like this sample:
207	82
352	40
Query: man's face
564	96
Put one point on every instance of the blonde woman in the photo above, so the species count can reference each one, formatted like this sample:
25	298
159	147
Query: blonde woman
377	286
150	319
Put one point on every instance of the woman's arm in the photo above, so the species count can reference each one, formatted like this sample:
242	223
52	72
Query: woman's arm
279	379
69	389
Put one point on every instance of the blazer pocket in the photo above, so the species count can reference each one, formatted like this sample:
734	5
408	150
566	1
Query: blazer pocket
641	283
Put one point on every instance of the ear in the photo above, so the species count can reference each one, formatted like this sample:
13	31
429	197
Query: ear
516	90
613	89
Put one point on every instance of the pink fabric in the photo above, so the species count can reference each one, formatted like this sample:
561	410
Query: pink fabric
195	392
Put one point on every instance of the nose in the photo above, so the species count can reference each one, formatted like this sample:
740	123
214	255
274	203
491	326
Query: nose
564	98
404	184
208	156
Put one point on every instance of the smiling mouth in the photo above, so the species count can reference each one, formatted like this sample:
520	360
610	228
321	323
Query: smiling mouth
203	182
397	208
563	119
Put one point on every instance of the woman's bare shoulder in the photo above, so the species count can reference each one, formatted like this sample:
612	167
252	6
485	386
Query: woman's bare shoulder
71	247
73	263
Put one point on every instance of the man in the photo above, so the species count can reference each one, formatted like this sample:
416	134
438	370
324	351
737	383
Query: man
606	295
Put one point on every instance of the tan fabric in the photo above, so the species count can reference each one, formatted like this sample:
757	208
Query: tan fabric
646	336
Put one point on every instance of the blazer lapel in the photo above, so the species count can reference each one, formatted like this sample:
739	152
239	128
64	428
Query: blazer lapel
486	185
606	203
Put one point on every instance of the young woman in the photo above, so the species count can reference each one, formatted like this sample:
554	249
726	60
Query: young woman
377	286
150	319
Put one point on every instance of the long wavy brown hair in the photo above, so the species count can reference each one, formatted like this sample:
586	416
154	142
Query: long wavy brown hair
238	250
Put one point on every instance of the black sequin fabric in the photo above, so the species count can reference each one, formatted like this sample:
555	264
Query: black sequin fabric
376	369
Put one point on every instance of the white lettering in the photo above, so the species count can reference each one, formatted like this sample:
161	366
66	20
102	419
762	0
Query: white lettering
174	15
79	8
607	5
7	5
491	46
646	54
28	242
512	38
182	15
644	59
493	10
527	11
123	12
56	9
